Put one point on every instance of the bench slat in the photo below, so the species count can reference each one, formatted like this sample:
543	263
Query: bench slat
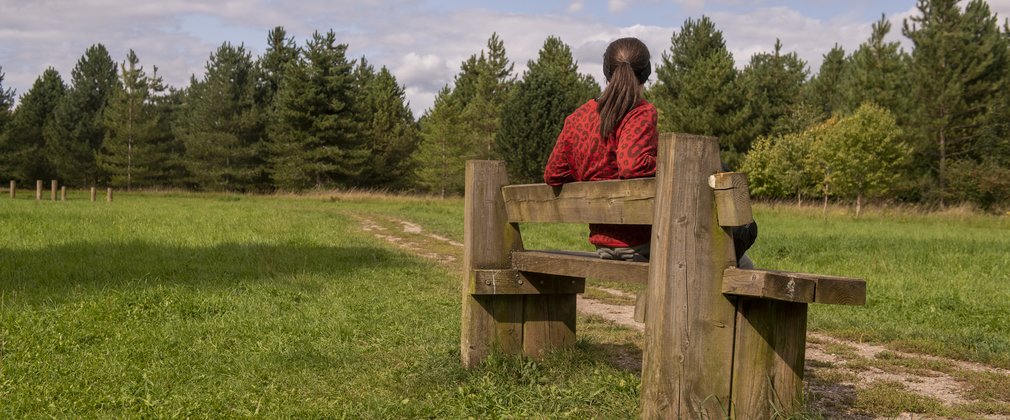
615	202
513	282
580	264
794	287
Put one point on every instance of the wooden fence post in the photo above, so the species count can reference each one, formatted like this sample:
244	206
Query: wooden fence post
488	240
14	188
690	324
38	190
108	194
63	193
93	194
52	188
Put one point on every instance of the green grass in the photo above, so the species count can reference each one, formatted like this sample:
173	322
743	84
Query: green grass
180	304
188	305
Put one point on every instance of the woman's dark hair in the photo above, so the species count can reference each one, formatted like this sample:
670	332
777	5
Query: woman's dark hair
626	65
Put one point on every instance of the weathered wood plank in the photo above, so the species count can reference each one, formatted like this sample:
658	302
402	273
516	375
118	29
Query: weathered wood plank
732	198
839	290
580	264
549	323
778	285
488	239
514	282
689	328
615	202
768	364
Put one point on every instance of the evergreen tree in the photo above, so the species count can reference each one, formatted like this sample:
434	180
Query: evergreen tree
483	87
312	134
468	115
221	125
444	147
823	91
6	105
77	129
876	72
772	84
957	75
131	154
281	52
695	89
534	115
387	128
22	153
167	103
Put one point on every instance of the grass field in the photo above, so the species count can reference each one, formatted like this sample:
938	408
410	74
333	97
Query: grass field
227	305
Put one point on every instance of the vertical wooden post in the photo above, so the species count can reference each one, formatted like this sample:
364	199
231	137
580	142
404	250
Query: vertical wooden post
689	323
63	193
92	194
108	194
14	188
52	188
38	190
768	364
488	239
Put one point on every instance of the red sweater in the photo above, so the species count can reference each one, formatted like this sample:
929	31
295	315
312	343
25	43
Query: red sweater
580	155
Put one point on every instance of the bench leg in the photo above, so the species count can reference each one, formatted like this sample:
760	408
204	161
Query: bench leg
768	359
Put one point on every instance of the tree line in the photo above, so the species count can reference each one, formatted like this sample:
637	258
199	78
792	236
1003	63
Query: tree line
929	125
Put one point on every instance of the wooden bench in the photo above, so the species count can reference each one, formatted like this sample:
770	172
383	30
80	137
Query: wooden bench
720	341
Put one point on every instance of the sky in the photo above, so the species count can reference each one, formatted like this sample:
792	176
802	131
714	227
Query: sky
422	42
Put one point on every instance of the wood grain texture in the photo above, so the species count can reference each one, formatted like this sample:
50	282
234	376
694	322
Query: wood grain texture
839	290
514	282
778	285
689	324
580	264
488	239
732	198
615	202
549	323
768	364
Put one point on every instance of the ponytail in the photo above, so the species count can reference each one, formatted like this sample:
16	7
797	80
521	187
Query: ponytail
626	66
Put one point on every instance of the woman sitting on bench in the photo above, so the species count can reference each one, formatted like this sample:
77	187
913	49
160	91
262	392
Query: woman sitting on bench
615	137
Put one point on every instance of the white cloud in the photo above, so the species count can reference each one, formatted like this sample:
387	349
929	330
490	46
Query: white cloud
422	44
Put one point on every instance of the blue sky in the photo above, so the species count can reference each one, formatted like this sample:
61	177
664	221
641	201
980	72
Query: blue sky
421	42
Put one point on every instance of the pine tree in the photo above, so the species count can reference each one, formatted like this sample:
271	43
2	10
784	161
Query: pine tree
876	72
534	115
6	105
445	146
772	84
958	69
22	153
221	125
387	128
281	52
77	129
131	153
823	91
468	115
312	138
695	89
482	86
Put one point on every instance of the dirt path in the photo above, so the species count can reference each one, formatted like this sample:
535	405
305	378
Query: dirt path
838	372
